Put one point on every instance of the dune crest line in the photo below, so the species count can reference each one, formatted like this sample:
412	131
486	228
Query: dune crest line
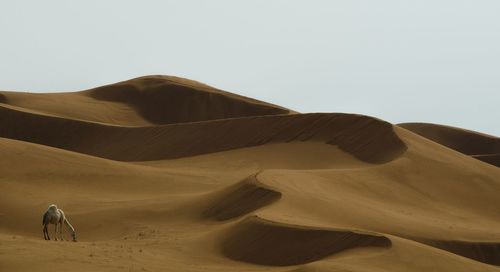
260	241
368	139
240	199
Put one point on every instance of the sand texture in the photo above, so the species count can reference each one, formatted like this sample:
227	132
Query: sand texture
161	173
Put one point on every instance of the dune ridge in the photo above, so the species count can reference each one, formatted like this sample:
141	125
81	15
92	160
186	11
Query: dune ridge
493	159
240	199
260	241
143	101
377	144
486	252
171	100
252	238
478	145
252	194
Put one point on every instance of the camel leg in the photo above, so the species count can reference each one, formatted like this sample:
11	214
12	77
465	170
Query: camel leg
61	230
55	232
58	230
44	235
46	229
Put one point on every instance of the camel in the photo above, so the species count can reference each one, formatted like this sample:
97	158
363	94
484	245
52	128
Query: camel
56	216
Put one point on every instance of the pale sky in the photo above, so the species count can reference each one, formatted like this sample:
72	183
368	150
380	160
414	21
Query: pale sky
402	61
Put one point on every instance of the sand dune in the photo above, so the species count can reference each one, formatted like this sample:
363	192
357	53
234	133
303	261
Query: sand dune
261	241
144	101
167	100
380	144
240	199
478	145
486	252
493	159
166	174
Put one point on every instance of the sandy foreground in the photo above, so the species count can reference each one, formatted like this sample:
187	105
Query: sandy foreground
161	173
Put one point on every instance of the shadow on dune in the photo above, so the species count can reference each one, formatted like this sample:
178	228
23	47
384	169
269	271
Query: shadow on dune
366	138
259	241
485	252
477	145
240	199
493	159
167	100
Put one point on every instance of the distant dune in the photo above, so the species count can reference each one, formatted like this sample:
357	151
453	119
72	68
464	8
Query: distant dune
143	101
161	173
478	145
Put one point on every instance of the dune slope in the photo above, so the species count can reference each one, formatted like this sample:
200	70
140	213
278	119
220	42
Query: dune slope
240	199
478	145
144	101
377	142
261	241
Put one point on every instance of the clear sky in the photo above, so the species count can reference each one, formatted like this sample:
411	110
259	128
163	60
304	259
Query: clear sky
400	60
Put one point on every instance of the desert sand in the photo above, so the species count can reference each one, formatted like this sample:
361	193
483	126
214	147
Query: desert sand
161	173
